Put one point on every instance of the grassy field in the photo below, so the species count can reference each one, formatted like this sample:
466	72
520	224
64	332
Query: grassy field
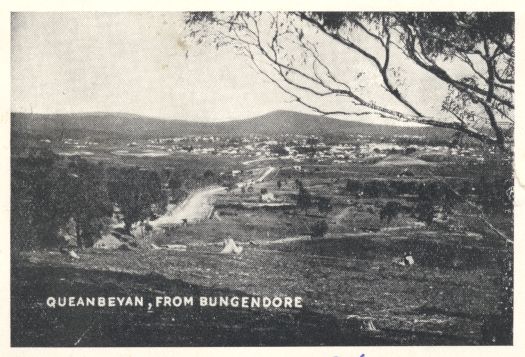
446	297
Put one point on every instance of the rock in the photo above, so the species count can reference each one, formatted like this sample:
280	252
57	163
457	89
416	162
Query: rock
108	241
475	236
230	247
361	323
409	260
73	255
177	247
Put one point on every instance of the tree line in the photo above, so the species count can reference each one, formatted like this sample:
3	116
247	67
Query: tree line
51	197
492	189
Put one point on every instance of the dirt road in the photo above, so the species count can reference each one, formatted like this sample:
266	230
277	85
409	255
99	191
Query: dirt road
197	206
268	171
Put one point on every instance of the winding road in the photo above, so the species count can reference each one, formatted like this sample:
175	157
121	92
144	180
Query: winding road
197	206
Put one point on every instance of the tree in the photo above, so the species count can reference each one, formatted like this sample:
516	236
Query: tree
312	141
304	199
469	54
354	186
49	198
174	184
323	205
279	150
373	188
135	191
425	212
390	211
87	200
318	229
439	193
37	204
208	174
494	184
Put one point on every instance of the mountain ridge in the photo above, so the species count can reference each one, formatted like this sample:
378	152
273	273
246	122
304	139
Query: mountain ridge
135	125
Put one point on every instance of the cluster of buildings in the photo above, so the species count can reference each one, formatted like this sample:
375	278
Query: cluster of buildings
293	147
299	148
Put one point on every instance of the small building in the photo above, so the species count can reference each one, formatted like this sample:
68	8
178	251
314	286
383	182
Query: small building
406	173
268	197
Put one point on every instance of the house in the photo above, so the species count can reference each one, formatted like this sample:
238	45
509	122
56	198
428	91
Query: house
268	197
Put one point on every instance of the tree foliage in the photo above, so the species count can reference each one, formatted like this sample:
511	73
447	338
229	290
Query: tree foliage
304	199
319	229
471	54
391	210
135	191
86	199
47	196
324	205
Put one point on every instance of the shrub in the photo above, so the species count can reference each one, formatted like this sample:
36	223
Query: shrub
318	229
324	205
425	212
390	211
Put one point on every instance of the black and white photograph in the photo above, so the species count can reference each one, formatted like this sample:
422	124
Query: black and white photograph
262	178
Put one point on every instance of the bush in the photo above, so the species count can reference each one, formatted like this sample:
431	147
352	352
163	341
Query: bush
354	186
390	211
324	205
425	212
318	229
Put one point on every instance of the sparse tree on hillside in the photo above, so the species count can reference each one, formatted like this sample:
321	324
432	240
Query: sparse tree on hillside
304	199
208	174
354	186
390	210
319	229
425	212
323	205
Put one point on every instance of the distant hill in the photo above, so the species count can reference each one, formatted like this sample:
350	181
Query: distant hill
136	126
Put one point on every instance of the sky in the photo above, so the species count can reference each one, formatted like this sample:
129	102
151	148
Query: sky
140	63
